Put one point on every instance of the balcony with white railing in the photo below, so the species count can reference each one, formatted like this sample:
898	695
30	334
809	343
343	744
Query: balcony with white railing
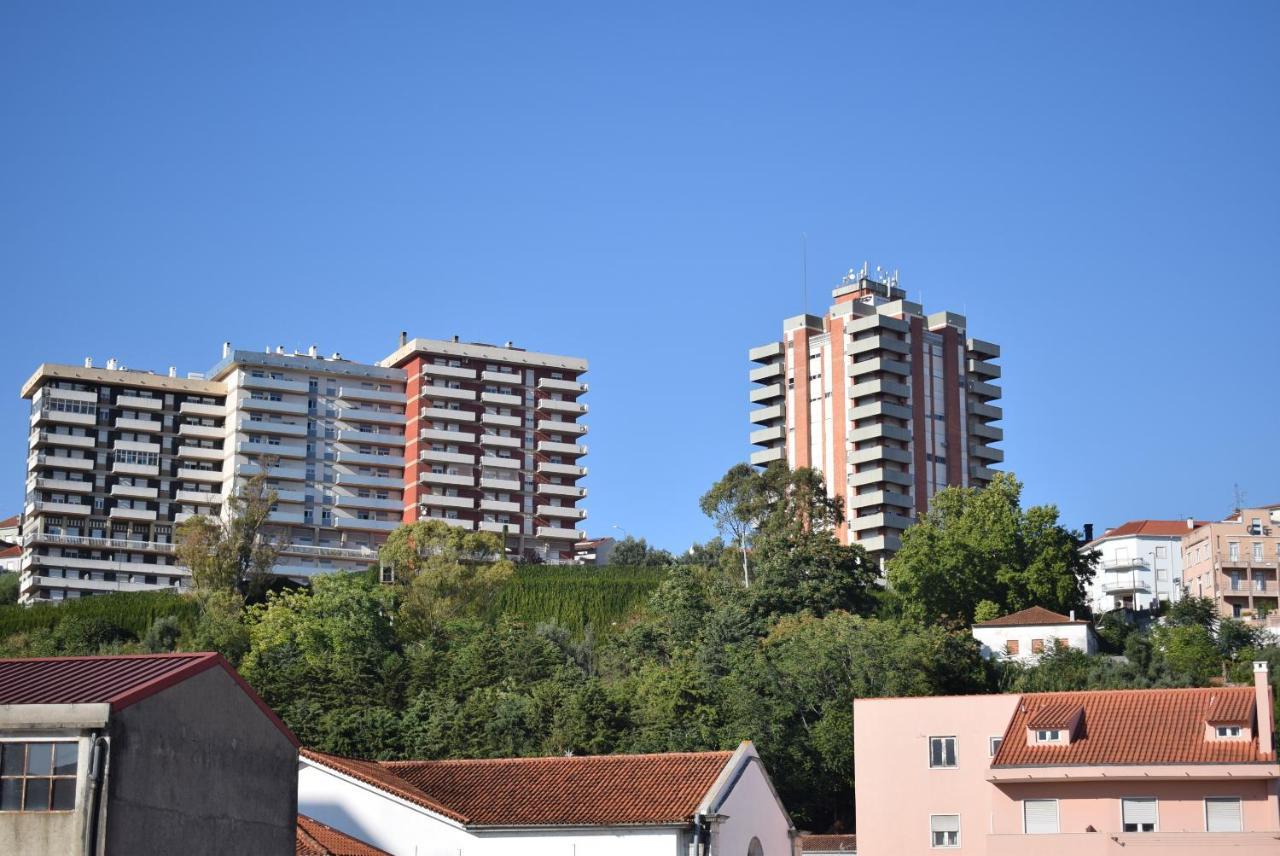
499	505
198	497
442	457
345	456
295	518
98	543
200	453
500	420
127	468
267	405
509	485
365	414
499	441
66	417
126	423
45	582
289	473
504	398
500	463
455	522
348	500
559	426
139	402
446	393
342	521
271	450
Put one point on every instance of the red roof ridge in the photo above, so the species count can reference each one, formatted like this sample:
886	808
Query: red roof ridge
1032	615
727	753
353	767
310	831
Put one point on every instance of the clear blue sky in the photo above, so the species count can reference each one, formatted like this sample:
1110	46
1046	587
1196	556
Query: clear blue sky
1096	187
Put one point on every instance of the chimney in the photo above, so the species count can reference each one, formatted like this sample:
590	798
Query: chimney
1073	615
173	371
313	351
226	350
280	350
509	344
1088	532
404	338
455	339
1191	523
111	364
88	362
1262	698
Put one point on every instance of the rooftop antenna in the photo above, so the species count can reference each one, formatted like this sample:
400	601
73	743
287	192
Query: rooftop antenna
804	268
1239	496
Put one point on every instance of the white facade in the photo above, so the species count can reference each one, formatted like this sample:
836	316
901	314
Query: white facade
1135	571
742	799
1029	641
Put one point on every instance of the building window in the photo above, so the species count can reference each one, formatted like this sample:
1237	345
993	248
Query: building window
1222	814
38	776
1049	735
1037	646
1040	817
1138	814
1233	550
1011	646
942	751
944	830
755	848
1228	731
1257	551
994	744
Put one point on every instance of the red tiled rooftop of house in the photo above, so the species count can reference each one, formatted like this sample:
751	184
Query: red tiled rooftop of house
10	552
828	843
1153	528
1058	714
1129	727
317	839
1035	615
9	522
598	790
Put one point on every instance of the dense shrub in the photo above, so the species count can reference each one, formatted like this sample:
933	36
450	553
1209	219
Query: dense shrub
575	597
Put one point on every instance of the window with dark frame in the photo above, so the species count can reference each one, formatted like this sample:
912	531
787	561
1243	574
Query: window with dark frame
38	776
942	751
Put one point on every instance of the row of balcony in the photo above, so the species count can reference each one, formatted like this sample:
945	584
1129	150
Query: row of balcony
549	533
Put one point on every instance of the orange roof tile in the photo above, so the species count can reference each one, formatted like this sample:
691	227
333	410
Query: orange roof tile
9	552
9	522
1152	528
1060	714
317	839
1034	615
599	790
828	843
1124	727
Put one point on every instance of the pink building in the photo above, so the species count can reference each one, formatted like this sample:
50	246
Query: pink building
1190	771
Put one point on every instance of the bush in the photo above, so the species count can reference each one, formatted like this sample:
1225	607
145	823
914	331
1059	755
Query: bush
131	614
577	596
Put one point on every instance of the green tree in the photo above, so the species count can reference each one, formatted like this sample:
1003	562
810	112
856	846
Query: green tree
233	551
979	544
1192	612
637	553
735	504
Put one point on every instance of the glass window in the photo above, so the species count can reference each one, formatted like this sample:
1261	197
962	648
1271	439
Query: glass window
995	745
942	751
944	830
1040	817
38	776
1228	731
1048	735
1138	814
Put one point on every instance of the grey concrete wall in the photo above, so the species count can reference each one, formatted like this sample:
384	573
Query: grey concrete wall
199	769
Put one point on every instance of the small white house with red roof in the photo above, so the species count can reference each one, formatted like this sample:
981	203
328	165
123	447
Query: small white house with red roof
1139	565
685	803
1025	635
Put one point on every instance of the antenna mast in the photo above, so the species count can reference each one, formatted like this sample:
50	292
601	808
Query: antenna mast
804	270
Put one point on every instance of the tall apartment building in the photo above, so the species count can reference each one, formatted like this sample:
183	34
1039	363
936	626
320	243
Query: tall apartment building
482	437
494	443
890	404
1235	563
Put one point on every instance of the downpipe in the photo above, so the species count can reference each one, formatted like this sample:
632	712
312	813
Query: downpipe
93	799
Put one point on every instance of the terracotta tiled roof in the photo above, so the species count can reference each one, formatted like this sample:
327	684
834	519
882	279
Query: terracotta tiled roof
9	552
316	839
9	522
1055	714
1154	528
599	790
828	843
1035	615
1134	727
119	680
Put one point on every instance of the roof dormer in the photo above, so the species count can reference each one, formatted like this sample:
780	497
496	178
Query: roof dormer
1055	724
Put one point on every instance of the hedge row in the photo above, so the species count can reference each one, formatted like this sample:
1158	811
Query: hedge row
133	611
577	596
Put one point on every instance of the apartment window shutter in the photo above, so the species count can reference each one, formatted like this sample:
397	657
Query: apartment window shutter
1139	813
944	830
1222	814
1040	817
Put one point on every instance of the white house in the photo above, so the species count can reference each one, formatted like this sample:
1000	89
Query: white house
1025	635
695	803
1139	564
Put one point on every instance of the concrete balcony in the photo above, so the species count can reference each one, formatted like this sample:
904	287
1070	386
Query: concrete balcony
767	394
765	374
877	365
450	521
114	565
384	396
855	326
47	415
878	344
509	485
559	426
433	456
499	528
448	371
987	412
447	478
126	423
71	508
880	453
567	512
288	473
981	368
558	385
444	436
199	475
502	398
138	402
121	468
764	415
988	432
65	463
344	456
135	446
277	450
549	447
499	505
370	438
552	405
980	348
101	543
499	441
343	500
291	518
436	500
196	408
548	489
120	513
108	586
266	405
878	409
202	432
133	491
762	353
880	475
506	378
64	485
768	436
986	453
345	479
1133	586
881	497
886	520
768	456
879	431
266	426
380	417
198	497
982	390
447	393
547	468
297	497
500	420
272	384
500	463
556	533
879	386
54	438
981	473
438	414
881	543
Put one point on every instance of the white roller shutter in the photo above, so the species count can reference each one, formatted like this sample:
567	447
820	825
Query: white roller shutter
1222	814
1040	817
1140	811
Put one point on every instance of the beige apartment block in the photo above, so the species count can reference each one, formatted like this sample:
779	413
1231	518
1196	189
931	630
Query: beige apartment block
891	404
1234	562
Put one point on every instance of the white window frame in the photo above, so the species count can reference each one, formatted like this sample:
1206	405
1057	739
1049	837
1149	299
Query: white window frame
993	744
1219	729
1057	816
1224	798
1048	735
955	752
1155	800
955	846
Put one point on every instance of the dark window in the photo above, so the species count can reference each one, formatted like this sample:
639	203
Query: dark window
38	776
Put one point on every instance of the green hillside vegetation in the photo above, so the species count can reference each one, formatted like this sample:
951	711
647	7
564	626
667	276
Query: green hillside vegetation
575	597
116	622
